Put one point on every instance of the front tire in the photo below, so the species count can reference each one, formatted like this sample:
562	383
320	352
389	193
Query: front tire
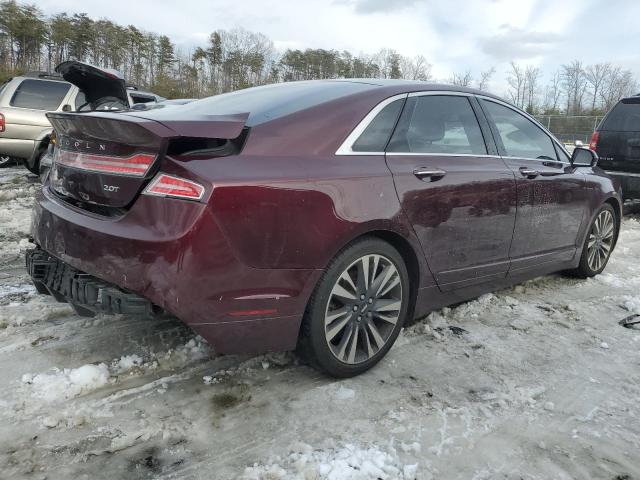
599	243
357	310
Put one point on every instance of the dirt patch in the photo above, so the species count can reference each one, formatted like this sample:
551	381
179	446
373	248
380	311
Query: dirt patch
231	398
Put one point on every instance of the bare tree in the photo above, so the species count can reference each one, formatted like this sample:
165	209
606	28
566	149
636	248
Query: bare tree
485	78
516	80
416	68
388	60
553	93
462	79
575	84
596	75
618	84
531	78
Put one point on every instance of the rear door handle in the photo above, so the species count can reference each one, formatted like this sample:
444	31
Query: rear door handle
529	172
432	173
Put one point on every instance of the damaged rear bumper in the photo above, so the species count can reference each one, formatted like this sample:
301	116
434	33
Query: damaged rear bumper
87	294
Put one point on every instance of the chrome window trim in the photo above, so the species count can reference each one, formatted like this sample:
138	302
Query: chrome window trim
452	93
418	154
345	147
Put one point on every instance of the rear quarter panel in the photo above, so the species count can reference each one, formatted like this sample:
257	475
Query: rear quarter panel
302	216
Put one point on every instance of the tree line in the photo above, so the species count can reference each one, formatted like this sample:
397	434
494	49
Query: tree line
574	89
234	59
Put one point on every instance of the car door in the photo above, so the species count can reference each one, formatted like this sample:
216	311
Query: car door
552	195
456	191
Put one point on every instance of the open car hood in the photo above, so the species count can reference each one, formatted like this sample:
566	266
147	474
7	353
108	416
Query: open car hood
96	83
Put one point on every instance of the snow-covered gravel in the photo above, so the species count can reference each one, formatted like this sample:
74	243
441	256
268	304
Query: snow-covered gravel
537	382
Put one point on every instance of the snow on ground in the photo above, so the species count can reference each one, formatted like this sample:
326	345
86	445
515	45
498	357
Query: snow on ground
537	382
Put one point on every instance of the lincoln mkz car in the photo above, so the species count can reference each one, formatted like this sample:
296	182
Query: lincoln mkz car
317	215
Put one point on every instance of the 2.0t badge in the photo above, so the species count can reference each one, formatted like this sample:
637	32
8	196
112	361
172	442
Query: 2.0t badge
110	188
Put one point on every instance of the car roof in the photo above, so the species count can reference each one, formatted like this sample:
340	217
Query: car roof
414	86
633	99
268	102
41	76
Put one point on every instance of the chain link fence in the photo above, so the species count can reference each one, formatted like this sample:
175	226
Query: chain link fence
570	128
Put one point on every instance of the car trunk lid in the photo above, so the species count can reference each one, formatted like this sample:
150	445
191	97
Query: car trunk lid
96	83
103	160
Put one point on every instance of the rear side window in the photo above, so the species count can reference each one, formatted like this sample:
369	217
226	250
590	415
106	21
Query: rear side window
438	124
625	116
520	136
376	135
39	94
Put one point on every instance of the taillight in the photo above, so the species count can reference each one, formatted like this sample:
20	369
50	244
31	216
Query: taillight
593	145
1	122
169	186
135	165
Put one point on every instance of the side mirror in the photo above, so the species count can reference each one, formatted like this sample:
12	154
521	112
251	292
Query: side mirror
583	157
66	108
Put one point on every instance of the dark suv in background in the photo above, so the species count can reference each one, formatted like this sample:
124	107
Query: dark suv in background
617	142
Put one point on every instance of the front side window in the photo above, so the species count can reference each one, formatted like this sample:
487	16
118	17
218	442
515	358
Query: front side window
40	94
520	136
376	135
438	124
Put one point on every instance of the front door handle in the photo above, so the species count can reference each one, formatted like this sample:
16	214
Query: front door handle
432	173
529	172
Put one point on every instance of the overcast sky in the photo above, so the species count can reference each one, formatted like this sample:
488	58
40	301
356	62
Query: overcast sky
453	35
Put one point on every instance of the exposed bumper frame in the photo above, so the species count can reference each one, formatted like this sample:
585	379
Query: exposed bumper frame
87	294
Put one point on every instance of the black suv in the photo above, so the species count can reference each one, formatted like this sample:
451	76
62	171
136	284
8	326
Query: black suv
617	142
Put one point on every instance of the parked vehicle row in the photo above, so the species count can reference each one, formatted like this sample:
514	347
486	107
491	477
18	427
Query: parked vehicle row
314	215
25	101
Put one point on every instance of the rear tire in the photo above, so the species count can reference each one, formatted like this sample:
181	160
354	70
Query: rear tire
35	168
357	309
6	161
599	244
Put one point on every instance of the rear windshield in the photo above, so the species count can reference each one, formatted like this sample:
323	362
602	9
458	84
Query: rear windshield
40	94
625	116
273	101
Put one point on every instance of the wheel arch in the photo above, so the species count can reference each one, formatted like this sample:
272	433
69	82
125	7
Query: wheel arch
407	252
618	211
40	146
413	259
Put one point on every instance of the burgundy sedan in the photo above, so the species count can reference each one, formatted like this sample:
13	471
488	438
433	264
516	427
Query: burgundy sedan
321	215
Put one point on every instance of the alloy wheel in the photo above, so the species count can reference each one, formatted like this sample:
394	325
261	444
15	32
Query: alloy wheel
601	240
363	309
